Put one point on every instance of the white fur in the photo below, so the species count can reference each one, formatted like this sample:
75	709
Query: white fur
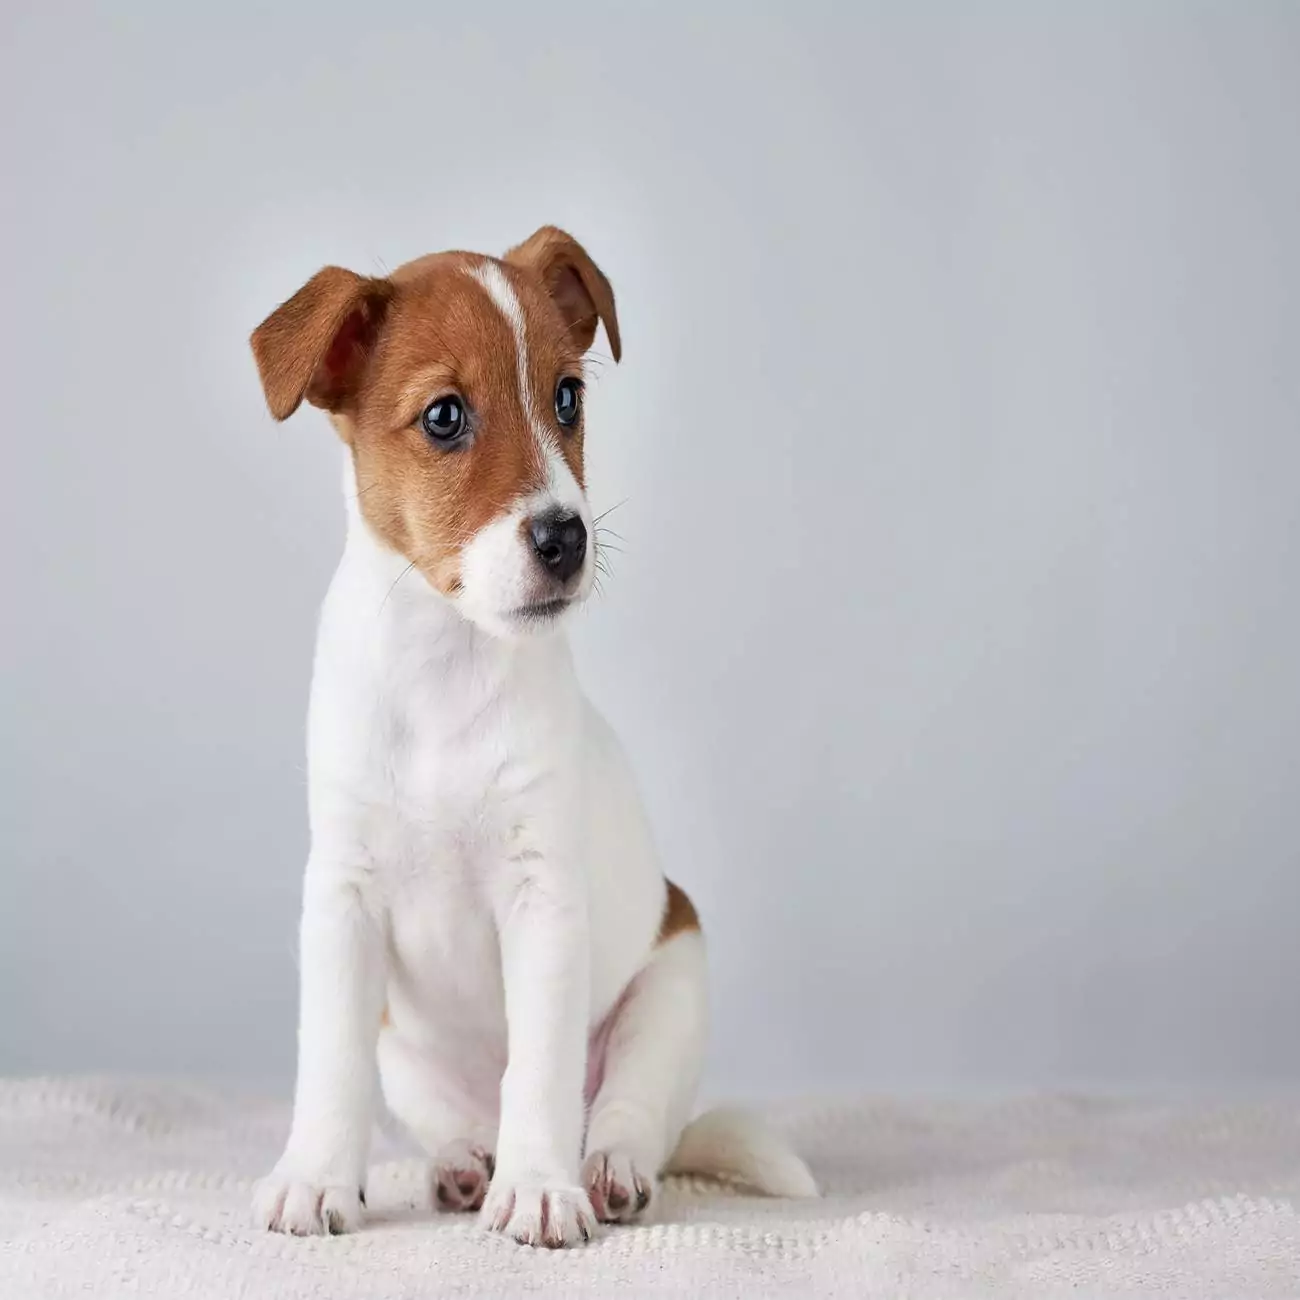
482	869
732	1144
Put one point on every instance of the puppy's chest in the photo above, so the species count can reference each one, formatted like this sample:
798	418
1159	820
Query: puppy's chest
444	814
445	772
452	814
438	821
458	780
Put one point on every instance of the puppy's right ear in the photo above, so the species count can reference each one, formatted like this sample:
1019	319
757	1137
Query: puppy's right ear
316	344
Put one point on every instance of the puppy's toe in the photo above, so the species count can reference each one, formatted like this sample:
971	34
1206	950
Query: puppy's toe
305	1209
620	1192
538	1214
460	1176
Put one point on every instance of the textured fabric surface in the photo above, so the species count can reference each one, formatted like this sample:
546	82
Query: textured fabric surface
114	1189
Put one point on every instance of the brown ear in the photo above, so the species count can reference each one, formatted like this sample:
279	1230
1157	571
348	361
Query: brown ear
315	345
575	283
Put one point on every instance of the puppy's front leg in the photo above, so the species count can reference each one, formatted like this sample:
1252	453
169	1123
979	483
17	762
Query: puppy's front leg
317	1185
535	1195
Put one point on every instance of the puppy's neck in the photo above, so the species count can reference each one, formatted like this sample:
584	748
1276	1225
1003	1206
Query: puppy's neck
395	610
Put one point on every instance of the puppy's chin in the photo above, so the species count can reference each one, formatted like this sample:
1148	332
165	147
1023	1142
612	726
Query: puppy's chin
542	617
519	621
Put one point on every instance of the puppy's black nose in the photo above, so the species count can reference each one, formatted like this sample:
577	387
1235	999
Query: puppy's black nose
560	542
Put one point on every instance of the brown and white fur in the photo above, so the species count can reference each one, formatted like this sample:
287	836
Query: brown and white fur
484	917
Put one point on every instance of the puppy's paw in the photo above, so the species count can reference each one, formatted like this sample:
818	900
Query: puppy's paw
305	1209
460	1176
537	1213
619	1191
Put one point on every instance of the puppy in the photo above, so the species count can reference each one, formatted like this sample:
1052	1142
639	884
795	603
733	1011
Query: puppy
487	936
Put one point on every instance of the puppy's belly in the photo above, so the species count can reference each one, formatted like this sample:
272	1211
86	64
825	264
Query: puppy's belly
444	1037
444	967
444	1048
448	1086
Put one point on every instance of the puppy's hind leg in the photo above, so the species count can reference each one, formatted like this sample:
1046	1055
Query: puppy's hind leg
653	1055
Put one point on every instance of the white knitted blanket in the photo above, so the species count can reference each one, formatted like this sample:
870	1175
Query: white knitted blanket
112	1189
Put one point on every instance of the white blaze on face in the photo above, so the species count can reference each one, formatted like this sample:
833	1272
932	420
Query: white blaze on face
493	280
498	570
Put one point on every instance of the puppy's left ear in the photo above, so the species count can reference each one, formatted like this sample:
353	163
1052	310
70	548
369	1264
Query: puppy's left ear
576	284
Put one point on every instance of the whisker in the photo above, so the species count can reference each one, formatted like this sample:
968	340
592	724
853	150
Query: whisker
393	588
606	513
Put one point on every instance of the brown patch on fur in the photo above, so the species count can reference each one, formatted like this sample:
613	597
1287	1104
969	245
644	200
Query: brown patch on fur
679	914
575	283
376	352
314	345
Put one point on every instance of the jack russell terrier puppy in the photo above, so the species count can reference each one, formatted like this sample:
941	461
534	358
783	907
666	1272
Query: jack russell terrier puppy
487	937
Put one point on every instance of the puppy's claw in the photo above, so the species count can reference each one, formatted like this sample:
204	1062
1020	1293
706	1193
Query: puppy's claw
536	1214
303	1209
619	1191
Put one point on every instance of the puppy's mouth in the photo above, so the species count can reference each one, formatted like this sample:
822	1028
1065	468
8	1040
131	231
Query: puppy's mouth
543	611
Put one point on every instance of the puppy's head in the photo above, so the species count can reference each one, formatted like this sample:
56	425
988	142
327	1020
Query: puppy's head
457	384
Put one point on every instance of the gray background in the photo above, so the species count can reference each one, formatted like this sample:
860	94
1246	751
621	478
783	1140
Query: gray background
956	635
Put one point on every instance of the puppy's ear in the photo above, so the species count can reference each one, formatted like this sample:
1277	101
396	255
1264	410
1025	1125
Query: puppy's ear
575	283
316	344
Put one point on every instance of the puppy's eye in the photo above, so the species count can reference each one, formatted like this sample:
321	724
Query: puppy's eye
444	419
568	401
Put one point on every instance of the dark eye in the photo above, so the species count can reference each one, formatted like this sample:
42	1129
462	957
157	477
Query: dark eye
444	419
568	401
